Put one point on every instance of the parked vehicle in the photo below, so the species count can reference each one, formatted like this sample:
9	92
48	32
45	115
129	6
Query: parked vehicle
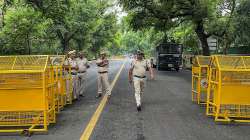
168	55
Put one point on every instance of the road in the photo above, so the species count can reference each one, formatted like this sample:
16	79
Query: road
167	113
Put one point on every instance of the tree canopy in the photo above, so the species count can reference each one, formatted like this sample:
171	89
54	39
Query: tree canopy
55	26
208	17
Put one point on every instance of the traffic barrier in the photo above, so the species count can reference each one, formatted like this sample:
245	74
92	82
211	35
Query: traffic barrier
229	89
57	62
200	71
26	94
67	77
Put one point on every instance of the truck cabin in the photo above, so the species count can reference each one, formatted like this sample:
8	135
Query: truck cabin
169	55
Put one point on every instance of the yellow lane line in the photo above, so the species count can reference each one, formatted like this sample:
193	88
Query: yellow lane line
92	123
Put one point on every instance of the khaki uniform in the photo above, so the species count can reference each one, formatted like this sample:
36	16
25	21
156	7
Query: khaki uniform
139	78
82	74
73	63
103	80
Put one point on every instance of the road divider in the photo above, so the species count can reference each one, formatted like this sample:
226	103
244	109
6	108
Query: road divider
94	119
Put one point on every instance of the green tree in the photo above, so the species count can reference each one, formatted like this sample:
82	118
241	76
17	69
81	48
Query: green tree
4	5
242	24
105	33
56	26
164	15
145	40
24	28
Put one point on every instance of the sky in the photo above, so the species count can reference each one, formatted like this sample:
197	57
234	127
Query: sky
118	10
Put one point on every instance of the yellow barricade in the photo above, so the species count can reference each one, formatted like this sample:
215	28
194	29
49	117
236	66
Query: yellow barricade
60	91
229	89
200	71
68	83
26	94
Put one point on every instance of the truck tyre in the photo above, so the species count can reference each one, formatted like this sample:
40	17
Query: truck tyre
158	68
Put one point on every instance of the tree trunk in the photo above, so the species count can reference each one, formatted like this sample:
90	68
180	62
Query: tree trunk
28	44
65	42
203	38
3	24
225	50
65	39
79	44
65	45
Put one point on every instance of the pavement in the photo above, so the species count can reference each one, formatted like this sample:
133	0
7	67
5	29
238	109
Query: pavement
167	113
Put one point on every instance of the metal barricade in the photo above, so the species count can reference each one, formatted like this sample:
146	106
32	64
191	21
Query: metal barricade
67	77
229	89
200	71
57	62
26	94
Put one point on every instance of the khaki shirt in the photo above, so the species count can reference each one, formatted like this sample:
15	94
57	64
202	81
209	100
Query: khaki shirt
102	69
139	67
72	63
82	64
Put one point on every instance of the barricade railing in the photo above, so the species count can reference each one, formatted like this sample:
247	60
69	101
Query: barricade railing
228	96
60	74
26	93
200	72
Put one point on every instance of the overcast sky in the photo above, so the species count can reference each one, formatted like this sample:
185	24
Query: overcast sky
118	10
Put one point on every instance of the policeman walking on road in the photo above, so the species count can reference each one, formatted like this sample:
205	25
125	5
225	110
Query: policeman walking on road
103	81
83	65
137	74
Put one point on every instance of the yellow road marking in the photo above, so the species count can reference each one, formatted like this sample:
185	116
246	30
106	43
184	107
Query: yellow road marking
92	123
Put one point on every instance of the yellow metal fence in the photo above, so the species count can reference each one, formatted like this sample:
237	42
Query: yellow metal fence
63	79
200	73
229	89
222	83
32	90
26	93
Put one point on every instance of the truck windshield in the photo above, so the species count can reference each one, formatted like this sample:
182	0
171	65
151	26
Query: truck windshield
170	49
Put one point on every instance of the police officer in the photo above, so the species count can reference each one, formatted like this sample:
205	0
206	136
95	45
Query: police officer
137	74
102	80
83	65
71	61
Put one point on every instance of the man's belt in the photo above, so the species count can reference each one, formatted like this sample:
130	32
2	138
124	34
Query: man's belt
102	66
103	72
81	71
139	76
73	73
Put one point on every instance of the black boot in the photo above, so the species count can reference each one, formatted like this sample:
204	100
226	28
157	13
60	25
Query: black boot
81	95
98	96
108	97
139	108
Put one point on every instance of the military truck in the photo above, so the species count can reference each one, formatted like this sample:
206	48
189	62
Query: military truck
168	56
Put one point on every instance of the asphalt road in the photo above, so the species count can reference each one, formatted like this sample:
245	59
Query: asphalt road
167	113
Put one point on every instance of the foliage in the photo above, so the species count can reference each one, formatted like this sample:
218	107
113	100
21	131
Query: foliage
242	24
105	32
165	15
145	40
24	28
56	26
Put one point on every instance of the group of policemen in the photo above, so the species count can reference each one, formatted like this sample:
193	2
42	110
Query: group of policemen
79	65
